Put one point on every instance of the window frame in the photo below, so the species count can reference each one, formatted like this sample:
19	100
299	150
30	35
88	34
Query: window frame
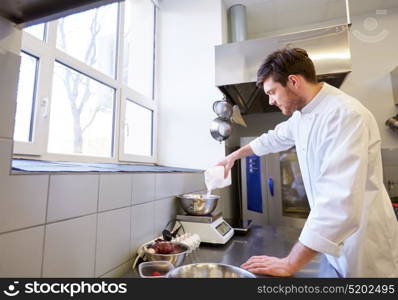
130	95
47	54
34	104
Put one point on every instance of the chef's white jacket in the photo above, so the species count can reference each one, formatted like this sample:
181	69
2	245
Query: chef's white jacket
338	147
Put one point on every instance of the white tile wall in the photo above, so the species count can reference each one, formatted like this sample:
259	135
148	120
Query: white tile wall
142	225
10	36
23	198
114	191
99	244
113	240
119	271
224	204
72	196
143	188
21	253
5	156
23	201
69	249
194	182
169	184
8	86
165	210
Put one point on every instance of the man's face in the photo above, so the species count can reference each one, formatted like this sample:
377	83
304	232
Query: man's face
284	97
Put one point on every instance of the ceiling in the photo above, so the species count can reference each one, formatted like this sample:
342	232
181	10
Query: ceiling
30	12
277	15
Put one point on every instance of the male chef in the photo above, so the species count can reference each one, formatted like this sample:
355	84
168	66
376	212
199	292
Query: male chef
352	221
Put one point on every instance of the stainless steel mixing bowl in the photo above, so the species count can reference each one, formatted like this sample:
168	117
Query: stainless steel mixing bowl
220	129
209	270
198	204
176	258
223	109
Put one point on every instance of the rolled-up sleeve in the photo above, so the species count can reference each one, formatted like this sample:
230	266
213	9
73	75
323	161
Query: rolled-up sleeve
340	187
279	139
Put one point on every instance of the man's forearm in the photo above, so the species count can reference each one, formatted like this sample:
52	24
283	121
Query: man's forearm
241	153
299	256
228	162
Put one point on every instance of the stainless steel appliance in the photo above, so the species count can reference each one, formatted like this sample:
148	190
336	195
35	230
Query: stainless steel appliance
393	123
211	228
272	189
236	63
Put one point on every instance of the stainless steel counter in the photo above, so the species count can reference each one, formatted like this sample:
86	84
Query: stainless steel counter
259	240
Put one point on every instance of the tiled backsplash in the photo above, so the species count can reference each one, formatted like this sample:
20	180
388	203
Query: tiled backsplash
83	225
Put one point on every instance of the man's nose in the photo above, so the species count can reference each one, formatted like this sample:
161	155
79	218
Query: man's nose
272	101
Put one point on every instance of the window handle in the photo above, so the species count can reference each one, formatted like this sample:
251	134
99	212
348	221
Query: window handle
44	108
126	125
270	182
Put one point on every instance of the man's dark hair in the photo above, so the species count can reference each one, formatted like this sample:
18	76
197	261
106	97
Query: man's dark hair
284	62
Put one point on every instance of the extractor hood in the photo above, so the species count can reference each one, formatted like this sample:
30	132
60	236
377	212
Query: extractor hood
31	12
237	63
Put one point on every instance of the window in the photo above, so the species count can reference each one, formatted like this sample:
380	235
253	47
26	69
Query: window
137	66
91	37
138	134
37	31
26	98
81	120
86	86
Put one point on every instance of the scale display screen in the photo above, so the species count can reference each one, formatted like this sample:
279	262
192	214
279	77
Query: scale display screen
223	228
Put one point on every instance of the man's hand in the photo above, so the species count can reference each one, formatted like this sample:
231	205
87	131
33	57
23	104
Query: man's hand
268	265
298	257
227	163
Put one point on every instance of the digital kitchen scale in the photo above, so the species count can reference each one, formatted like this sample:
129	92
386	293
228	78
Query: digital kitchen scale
211	228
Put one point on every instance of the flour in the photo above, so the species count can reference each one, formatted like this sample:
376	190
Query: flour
214	178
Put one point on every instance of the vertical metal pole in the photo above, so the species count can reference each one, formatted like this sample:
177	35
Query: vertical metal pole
238	26
347	7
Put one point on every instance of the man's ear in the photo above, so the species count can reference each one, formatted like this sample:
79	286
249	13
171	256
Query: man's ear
293	81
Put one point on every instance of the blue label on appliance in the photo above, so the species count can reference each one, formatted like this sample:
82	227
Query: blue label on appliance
253	184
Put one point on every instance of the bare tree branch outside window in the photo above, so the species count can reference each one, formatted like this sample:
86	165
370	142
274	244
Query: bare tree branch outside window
77	85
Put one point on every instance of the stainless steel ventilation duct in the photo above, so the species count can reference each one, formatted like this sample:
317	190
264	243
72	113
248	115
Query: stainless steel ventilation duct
237	23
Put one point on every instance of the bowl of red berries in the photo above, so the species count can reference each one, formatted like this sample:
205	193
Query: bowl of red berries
172	252
154	269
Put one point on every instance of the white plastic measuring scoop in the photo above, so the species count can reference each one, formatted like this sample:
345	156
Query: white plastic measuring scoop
214	178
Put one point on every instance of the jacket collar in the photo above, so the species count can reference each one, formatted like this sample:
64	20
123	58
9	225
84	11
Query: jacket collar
316	101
